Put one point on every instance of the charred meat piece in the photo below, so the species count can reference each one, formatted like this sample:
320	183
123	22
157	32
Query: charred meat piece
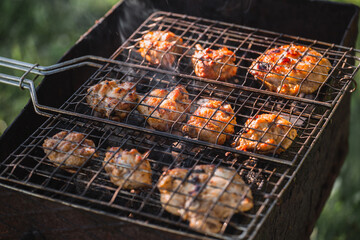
291	69
112	99
168	107
209	120
214	64
218	192
159	47
69	150
266	133
128	169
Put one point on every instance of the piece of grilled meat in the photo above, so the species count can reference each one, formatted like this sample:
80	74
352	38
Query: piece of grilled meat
129	169
222	121
112	99
291	69
214	64
164	107
160	47
266	133
219	192
69	150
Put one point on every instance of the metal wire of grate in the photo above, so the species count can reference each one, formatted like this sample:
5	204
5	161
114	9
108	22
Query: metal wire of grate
30	166
307	119
246	45
150	104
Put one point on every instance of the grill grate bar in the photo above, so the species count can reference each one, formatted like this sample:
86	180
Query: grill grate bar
91	185
230	85
233	37
246	105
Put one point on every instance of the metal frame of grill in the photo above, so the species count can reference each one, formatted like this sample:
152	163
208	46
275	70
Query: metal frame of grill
90	182
247	44
306	118
268	175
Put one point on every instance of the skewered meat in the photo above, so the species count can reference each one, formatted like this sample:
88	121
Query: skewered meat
220	192
112	99
165	108
69	149
222	119
291	69
265	133
214	64
128	169
155	44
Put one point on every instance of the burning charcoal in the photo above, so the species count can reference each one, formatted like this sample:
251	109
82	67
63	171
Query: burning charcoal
255	180
250	162
253	177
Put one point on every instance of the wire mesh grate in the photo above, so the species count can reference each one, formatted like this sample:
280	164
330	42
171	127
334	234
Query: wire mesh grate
148	103
246	45
307	119
30	166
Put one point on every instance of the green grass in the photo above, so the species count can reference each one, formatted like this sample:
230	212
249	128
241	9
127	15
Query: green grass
41	31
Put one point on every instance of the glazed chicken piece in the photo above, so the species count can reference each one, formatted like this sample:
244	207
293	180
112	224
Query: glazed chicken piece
160	47
214	64
222	119
112	99
168	107
191	200
128	169
291	69
265	133
69	150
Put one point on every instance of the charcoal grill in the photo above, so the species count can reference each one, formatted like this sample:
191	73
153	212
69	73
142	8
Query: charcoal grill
26	168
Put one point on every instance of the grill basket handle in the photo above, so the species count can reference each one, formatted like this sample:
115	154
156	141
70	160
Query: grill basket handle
27	68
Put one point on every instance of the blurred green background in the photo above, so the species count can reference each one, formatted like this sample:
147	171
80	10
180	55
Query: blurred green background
41	31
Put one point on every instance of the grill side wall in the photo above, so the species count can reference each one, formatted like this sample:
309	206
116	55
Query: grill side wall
302	203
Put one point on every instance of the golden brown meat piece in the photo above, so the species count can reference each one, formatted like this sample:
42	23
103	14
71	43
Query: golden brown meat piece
291	69
69	149
154	45
200	127
178	195
112	99
169	107
265	133
127	167
209	63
